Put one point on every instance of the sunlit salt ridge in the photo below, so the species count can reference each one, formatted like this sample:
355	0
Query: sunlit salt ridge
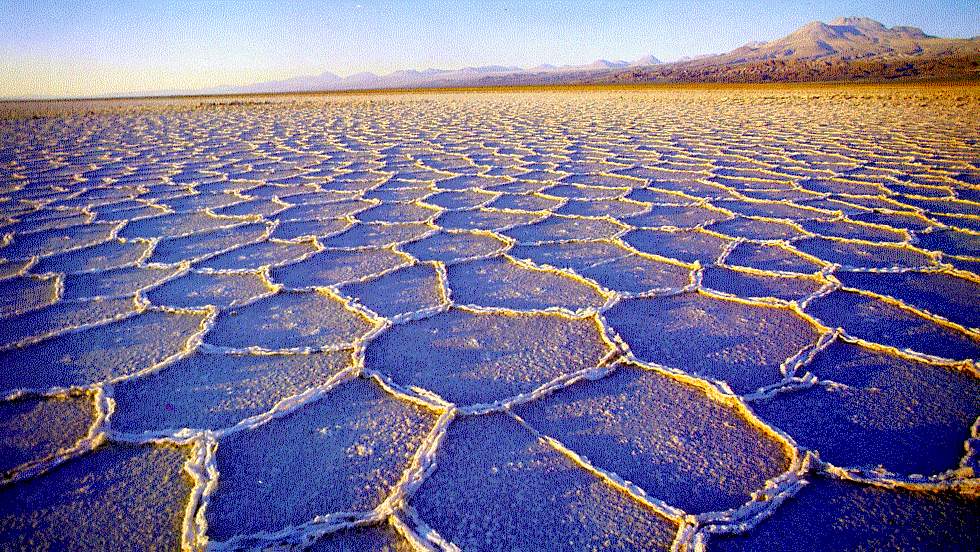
663	320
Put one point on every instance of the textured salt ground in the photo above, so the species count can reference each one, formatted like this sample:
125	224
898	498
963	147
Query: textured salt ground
449	247
206	244
334	267
878	321
833	515
395	195
748	285
24	293
260	207
955	298
465	199
471	358
773	210
615	208
300	229
500	282
532	202
910	221
197	290
99	353
119	282
575	255
286	321
105	256
348	450
334	202
29	224
121	497
716	338
198	202
520	491
852	255
879	410
49	242
374	538
405	290
10	269
685	246
219	391
960	223
398	212
638	274
679	217
35	428
486	219
557	228
378	235
669	438
258	255
755	229
969	265
176	225
771	257
661	196
850	229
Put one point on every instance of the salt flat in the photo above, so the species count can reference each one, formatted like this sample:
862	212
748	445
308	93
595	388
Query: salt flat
661	318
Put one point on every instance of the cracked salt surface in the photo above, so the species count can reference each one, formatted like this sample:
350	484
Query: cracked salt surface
548	320
555	504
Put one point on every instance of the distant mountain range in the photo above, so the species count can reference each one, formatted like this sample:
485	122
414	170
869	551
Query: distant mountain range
847	48
411	78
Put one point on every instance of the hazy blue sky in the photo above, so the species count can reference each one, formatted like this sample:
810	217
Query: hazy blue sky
72	48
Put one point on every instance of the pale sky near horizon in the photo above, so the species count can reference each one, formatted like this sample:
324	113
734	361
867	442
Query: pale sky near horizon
57	48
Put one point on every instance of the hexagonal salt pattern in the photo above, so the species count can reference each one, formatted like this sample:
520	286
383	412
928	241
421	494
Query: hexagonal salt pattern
538	320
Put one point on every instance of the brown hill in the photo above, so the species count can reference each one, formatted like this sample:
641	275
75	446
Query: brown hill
848	48
808	70
850	38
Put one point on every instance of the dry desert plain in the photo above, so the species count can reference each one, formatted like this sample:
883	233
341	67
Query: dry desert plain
673	317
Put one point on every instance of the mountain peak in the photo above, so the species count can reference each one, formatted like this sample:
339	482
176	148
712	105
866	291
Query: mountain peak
646	60
606	64
845	39
863	23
